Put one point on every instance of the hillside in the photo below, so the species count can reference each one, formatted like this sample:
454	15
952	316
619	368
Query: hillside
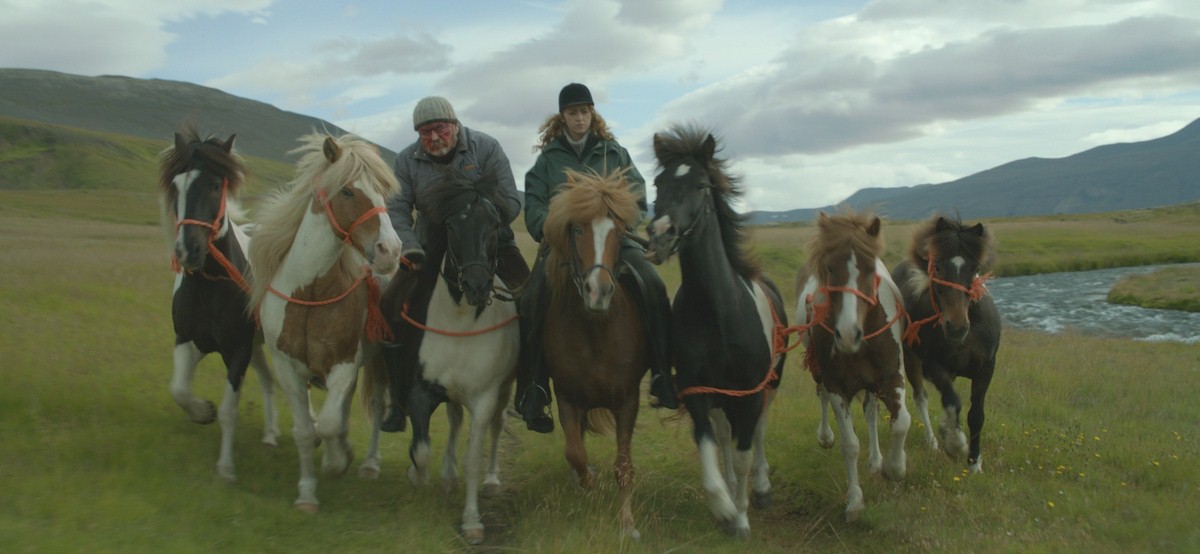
1159	172
153	108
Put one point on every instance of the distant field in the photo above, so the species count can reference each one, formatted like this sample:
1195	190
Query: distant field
1083	451
1173	288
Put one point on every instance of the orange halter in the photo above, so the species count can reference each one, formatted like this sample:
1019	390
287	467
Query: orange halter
214	228
976	291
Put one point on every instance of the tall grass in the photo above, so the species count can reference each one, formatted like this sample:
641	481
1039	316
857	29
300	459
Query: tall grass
1090	445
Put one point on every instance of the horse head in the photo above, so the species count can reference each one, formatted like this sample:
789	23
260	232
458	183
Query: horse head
584	226
953	255
465	224
197	179
355	183
684	198
843	257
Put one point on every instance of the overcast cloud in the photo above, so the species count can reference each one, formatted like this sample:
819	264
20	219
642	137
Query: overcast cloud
813	100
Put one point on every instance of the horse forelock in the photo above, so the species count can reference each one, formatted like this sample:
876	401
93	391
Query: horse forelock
687	144
838	233
590	197
208	151
955	239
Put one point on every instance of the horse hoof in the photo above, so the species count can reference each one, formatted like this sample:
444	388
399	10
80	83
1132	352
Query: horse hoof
474	537
205	415
271	440
415	477
852	515
735	531
633	534
448	485
307	507
489	490
227	474
760	500
369	472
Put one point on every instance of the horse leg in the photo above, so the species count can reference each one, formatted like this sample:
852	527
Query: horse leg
491	480
258	360
871	414
760	493
715	489
186	358
376	404
422	401
481	410
744	424
303	428
626	416
724	435
824	431
854	494
916	378
954	441
572	420
334	418
454	414
979	387
893	399
236	360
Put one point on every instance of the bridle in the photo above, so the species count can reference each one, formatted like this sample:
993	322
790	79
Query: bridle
214	229
489	265
578	274
977	290
706	204
346	234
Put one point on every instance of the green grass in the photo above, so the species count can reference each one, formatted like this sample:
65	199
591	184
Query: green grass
1171	288
1090	443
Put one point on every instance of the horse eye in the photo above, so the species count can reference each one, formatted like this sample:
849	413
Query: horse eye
577	230
348	192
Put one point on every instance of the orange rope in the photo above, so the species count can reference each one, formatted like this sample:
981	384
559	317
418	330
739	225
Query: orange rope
375	328
214	229
423	327
977	290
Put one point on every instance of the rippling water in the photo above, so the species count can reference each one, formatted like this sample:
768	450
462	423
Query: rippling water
1075	301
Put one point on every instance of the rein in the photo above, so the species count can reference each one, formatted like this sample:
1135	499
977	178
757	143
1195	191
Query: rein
376	327
977	290
404	315
214	228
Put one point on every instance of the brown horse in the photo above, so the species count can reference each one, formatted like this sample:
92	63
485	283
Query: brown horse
853	319
955	329
595	343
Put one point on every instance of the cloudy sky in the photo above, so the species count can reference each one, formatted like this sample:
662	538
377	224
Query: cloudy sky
813	99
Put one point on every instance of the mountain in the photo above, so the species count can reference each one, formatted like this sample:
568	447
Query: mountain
153	109
1159	172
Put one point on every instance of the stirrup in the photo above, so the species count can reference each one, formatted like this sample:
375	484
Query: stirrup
534	413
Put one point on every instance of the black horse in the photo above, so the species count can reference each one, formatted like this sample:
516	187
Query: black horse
197	181
724	321
954	328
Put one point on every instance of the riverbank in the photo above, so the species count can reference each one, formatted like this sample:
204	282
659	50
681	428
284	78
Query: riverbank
1171	288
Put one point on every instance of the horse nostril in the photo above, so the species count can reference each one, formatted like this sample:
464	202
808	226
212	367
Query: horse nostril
858	335
837	334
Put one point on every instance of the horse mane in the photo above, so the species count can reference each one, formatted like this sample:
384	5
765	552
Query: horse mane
690	143
280	214
846	229
954	236
583	199
211	151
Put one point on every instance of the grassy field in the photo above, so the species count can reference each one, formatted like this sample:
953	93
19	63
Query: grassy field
1084	449
1172	288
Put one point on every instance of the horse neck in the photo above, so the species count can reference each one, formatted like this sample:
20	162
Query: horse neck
315	249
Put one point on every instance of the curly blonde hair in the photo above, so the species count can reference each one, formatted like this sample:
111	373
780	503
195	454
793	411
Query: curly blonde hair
555	126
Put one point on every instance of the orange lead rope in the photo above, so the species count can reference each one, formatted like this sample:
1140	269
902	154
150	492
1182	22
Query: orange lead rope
977	290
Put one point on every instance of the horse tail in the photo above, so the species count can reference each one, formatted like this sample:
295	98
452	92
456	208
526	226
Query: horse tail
599	421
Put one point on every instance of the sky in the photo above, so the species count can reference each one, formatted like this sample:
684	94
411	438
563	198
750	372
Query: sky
811	99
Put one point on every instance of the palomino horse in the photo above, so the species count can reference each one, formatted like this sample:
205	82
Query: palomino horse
725	319
197	182
468	351
852	324
955	328
595	343
316	295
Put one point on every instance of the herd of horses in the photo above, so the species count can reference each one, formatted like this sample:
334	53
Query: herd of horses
304	281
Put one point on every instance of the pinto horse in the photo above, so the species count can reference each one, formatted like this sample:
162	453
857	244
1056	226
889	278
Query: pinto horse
852	325
725	319
468	352
197	181
319	243
595	342
955	328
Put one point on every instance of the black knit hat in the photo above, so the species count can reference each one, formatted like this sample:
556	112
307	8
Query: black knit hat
574	94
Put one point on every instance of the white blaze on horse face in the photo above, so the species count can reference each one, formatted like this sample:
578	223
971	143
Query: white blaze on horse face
182	183
682	170
599	297
958	262
386	247
848	325
661	225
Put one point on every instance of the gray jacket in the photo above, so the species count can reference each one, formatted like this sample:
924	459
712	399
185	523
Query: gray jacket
478	154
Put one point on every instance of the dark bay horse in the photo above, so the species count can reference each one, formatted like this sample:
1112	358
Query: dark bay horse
852	318
955	328
725	318
468	352
198	180
595	342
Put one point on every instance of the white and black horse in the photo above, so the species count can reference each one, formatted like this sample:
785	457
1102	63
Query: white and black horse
725	318
955	327
197	182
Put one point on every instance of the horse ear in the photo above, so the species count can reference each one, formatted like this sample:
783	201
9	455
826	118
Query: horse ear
977	229
873	228
332	150
180	142
710	147
941	225
571	178
659	147
228	146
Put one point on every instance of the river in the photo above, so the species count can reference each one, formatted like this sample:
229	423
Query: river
1075	302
